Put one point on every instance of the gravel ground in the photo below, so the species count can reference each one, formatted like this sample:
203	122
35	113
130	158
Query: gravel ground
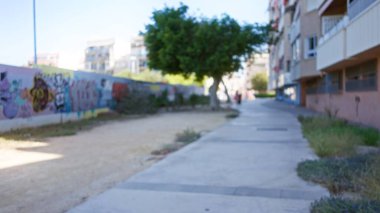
56	175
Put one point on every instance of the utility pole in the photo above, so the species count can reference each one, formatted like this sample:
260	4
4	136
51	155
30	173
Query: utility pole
35	34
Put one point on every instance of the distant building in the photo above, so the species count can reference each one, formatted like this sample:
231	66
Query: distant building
99	56
122	64
258	63
49	59
293	50
137	60
138	57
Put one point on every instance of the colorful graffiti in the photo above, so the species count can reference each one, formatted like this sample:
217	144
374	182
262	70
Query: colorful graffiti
59	85
41	95
84	95
118	90
8	92
26	92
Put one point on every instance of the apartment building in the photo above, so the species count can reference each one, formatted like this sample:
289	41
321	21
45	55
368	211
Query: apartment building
348	57
49	59
137	60
280	13
138	57
99	56
293	54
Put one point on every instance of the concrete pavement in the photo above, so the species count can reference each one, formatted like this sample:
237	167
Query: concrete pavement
247	165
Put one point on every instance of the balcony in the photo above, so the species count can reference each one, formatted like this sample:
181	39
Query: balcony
295	30
331	26
363	32
332	51
358	6
295	70
353	35
288	78
361	85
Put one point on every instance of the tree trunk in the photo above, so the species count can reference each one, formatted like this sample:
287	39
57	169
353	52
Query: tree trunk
226	91
214	101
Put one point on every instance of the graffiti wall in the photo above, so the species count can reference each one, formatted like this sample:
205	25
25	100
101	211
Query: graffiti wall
28	93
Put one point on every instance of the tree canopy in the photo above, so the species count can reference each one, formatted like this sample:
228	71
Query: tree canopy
260	82
178	43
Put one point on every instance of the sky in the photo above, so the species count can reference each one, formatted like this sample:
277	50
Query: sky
65	26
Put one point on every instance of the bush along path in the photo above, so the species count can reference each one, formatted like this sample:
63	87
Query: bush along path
353	178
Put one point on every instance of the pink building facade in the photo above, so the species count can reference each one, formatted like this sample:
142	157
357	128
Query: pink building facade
348	59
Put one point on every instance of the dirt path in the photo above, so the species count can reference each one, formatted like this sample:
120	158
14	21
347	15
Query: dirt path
56	175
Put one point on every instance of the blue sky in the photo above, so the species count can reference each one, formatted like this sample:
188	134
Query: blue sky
64	26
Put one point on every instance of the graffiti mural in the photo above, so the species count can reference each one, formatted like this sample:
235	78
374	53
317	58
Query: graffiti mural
41	95
8	94
59	96
27	92
84	95
118	90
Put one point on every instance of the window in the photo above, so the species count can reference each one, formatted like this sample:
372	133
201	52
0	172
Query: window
288	65
296	50
281	63
102	66
311	47
316	86
362	77
334	82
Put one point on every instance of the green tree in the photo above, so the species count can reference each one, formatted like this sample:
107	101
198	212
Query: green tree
180	44
260	82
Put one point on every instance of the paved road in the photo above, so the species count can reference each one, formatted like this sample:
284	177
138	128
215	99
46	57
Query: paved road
247	165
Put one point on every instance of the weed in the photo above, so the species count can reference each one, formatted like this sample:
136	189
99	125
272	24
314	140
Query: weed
333	137
233	114
167	149
355	174
341	205
187	136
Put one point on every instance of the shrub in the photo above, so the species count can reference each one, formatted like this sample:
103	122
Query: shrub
370	181
187	136
137	102
162	99
167	149
355	174
179	100
341	205
260	82
370	136
233	114
195	100
265	95
333	137
333	142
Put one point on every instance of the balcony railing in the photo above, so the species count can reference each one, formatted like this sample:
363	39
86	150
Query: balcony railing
342	23
357	6
361	85
294	30
324	89
316	90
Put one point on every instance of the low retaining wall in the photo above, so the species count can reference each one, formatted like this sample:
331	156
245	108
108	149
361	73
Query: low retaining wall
359	107
34	97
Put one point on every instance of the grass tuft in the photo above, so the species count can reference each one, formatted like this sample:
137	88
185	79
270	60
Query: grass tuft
341	205
355	174
336	138
233	114
187	136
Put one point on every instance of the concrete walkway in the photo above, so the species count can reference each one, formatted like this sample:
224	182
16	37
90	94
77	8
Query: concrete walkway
247	165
